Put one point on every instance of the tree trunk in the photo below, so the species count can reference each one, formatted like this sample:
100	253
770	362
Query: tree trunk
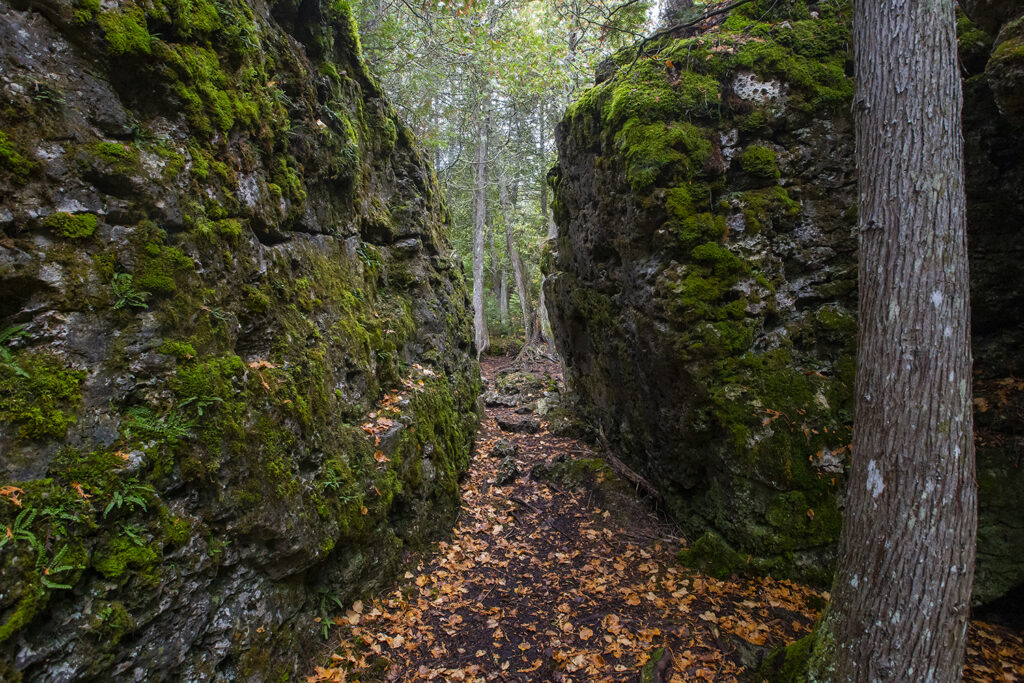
518	268
479	232
498	285
902	591
503	297
542	156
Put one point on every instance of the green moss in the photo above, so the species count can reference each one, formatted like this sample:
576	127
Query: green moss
678	149
287	178
799	520
159	267
329	70
175	530
33	600
121	556
713	556
653	92
192	18
123	156
339	13
758	160
85	10
71	225
125	31
40	403
763	208
112	622
14	162
202	85
970	38
179	349
788	664
230	229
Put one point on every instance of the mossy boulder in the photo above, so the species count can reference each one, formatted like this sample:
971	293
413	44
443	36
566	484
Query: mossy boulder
703	283
1005	70
206	339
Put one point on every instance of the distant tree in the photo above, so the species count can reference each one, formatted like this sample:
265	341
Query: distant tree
480	230
902	591
482	85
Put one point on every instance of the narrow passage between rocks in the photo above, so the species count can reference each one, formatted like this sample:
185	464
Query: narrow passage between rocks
559	570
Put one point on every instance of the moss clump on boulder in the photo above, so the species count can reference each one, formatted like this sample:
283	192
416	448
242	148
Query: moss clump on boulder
71	225
42	398
1005	71
125	31
749	429
759	160
13	161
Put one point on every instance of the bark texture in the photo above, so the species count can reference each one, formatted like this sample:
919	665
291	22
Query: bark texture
518	267
479	234
902	590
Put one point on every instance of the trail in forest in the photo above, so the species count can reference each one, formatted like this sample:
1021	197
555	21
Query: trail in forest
575	579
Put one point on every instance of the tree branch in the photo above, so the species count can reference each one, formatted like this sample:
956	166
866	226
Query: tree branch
686	24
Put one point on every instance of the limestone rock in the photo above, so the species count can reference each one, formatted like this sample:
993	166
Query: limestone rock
702	287
504	449
219	249
518	424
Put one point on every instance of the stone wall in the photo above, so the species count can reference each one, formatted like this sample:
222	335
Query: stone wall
236	384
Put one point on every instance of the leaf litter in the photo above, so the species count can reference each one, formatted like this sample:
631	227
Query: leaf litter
539	583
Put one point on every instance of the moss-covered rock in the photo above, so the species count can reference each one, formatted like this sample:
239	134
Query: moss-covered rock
207	336
703	285
680	277
1005	70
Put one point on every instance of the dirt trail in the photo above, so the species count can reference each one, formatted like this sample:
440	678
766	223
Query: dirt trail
573	578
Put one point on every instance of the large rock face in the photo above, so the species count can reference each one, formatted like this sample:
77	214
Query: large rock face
235	371
703	285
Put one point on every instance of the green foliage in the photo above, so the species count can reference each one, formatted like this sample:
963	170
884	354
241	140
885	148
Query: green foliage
6	357
129	494
72	226
21	530
140	422
53	567
122	286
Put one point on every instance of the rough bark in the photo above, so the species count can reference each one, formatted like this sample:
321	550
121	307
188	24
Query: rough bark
479	233
498	276
503	297
906	560
542	136
518	267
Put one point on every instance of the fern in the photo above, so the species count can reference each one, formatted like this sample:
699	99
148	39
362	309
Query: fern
201	402
133	532
131	494
6	357
54	567
21	531
125	294
173	427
